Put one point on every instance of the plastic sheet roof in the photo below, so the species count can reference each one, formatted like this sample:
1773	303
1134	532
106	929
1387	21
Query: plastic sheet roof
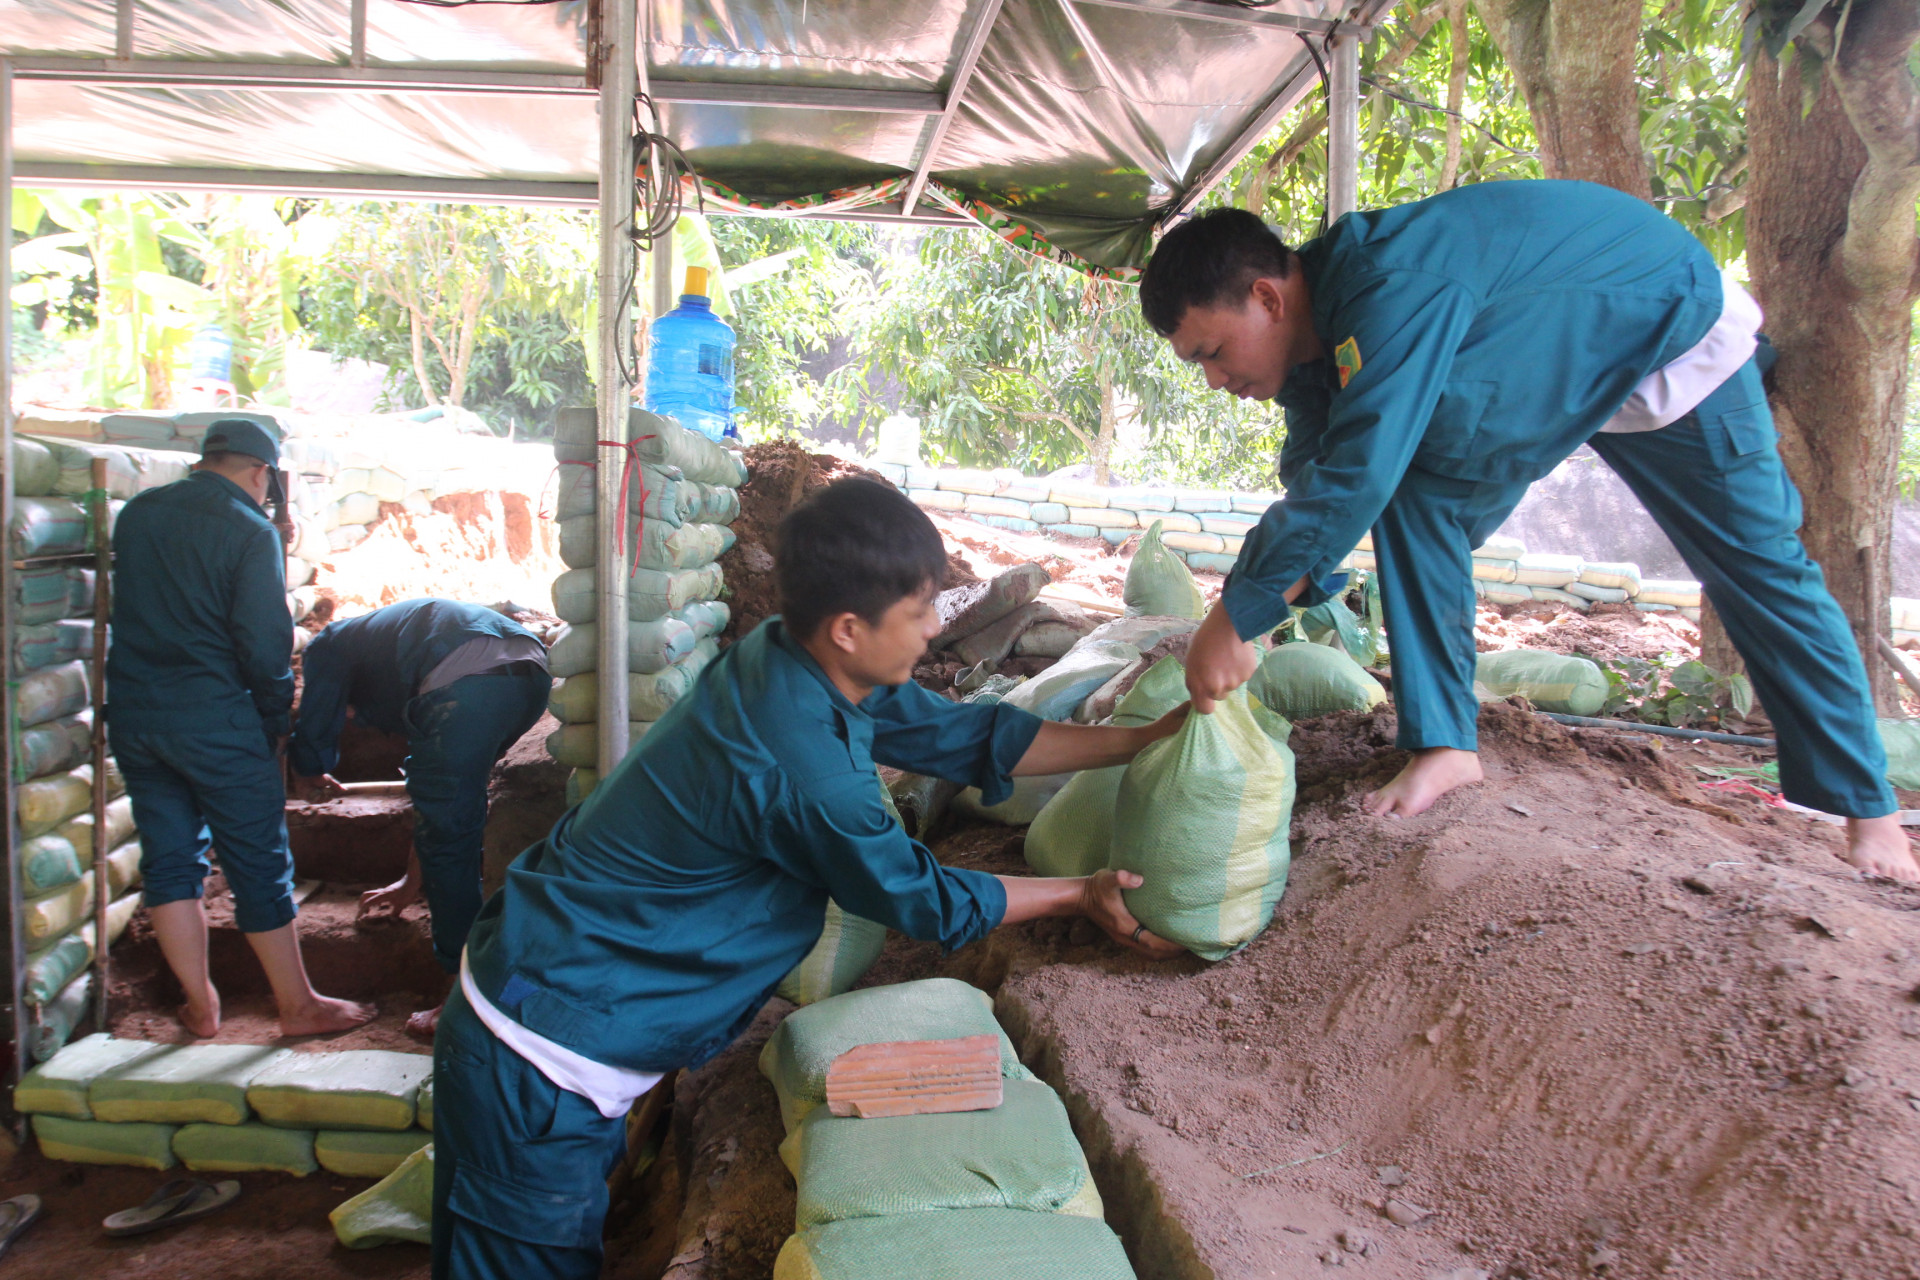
1073	125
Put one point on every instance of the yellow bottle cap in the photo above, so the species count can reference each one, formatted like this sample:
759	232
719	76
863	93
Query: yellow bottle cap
696	281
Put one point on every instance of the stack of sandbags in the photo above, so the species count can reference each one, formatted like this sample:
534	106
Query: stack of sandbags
229	1108
1003	1191
682	494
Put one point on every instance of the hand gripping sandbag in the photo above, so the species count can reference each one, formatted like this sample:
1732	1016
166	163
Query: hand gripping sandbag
1159	583
1073	835
1550	681
397	1208
960	1244
802	1048
1299	681
1203	817
1019	1155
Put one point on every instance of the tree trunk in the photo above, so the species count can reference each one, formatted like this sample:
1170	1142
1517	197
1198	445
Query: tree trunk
1574	62
1831	244
1456	92
1109	417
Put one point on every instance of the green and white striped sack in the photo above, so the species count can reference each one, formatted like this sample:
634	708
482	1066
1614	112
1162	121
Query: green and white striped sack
1550	681
1159	584
1299	681
1019	1155
958	1244
1203	817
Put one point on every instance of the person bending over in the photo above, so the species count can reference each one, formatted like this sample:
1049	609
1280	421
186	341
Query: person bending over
1436	358
643	934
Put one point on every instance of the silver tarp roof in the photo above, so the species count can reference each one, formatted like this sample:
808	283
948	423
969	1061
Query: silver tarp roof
1073	125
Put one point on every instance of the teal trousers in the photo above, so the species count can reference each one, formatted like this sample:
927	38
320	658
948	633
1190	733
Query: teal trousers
1714	482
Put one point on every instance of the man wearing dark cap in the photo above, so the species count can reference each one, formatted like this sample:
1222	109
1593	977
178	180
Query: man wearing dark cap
200	683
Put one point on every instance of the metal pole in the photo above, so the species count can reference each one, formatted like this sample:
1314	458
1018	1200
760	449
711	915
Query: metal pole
16	939
613	395
97	512
664	294
1343	132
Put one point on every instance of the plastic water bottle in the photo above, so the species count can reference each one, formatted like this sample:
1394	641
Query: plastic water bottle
210	355
690	363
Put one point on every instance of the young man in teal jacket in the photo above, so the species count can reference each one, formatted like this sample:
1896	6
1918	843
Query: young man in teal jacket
1436	358
644	933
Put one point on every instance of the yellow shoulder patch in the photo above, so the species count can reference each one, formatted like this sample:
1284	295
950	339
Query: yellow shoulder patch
1346	358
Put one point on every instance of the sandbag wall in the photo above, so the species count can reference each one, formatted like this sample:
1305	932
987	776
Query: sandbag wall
1206	527
682	493
230	1108
50	681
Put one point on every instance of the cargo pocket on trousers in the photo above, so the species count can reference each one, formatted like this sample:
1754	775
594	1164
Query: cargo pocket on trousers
525	1213
1754	501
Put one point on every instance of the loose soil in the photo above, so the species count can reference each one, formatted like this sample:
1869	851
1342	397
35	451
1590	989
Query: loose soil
780	474
1582	1019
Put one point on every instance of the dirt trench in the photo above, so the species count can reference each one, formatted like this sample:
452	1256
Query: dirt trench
1581	1020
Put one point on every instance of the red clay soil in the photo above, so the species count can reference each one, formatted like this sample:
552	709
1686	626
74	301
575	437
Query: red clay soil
1609	631
1582	1019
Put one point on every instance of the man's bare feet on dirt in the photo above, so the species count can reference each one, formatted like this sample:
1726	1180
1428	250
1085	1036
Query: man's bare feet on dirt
202	1017
1879	847
1428	776
325	1015
423	1024
390	901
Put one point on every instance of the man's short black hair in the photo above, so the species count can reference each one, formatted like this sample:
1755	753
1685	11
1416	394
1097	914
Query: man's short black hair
1211	260
858	546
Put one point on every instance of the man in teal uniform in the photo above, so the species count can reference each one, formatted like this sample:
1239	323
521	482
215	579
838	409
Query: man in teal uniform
199	681
1436	358
464	683
644	933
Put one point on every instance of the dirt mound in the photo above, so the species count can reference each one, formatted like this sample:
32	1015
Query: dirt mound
479	547
780	473
1609	631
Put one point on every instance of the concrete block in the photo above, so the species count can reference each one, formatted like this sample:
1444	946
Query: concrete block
937	500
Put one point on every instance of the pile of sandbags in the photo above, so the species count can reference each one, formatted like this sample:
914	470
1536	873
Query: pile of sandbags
682	494
229	1108
1003	1191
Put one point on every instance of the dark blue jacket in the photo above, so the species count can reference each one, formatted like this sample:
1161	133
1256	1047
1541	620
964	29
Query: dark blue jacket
660	914
1482	334
201	634
375	663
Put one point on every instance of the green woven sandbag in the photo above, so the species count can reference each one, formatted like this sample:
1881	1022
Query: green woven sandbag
49	969
1159	583
354	1154
45	803
1303	680
184	1084
964	1244
46	917
847	948
49	693
78	830
1073	835
423	1105
580	785
245	1148
398	1207
1020	1155
145	1146
801	1048
1901	738
47	863
54	1021
1204	817
123	868
1550	681
58	1087
351	1089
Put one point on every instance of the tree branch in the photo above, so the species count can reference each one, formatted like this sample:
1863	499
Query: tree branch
1877	93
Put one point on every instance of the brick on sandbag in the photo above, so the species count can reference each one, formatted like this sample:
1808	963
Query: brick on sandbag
916	1077
183	1084
937	499
965	610
977	504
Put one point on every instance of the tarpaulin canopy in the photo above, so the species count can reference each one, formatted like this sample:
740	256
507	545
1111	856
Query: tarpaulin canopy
1072	126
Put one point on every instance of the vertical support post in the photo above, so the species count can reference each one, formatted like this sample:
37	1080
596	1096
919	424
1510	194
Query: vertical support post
97	512
123	30
1343	129
664	294
357	23
617	83
16	939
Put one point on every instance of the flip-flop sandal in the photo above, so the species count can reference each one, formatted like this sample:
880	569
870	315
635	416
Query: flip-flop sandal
178	1200
16	1215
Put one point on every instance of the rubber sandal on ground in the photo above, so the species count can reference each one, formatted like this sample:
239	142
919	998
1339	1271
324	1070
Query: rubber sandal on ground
178	1200
16	1215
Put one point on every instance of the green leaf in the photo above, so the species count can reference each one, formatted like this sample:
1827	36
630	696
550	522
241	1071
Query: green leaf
1693	679
1741	689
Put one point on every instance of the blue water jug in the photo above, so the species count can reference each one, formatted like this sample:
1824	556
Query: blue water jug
210	355
690	363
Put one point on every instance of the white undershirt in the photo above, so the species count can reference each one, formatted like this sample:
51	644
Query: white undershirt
612	1090
480	655
1671	392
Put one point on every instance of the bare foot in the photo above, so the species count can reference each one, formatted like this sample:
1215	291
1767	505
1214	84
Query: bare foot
423	1024
202	1017
392	900
1428	776
325	1015
1879	847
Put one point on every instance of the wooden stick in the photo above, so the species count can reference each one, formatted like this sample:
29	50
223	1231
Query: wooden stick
1898	661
